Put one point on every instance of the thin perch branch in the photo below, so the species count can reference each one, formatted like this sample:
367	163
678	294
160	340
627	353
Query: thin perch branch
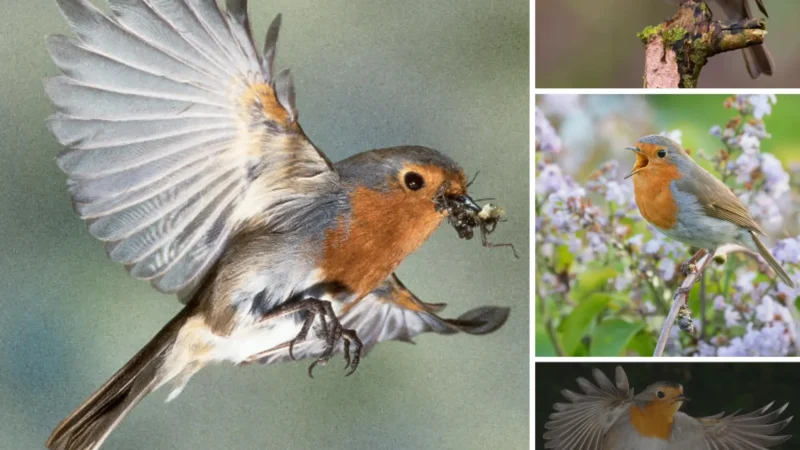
679	300
678	49
681	296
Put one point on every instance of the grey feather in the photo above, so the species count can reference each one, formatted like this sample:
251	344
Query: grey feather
159	109
77	100
106	36
154	221
100	162
270	49
180	180
85	134
99	71
88	190
158	262
284	89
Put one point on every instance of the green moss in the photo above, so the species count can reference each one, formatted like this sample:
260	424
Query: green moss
649	31
673	35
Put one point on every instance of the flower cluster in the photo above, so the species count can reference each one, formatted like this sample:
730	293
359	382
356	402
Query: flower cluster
595	227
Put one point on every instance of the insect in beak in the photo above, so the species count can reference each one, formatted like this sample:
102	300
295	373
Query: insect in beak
641	161
467	201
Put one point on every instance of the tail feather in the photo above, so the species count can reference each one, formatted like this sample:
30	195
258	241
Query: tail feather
765	253
91	423
758	61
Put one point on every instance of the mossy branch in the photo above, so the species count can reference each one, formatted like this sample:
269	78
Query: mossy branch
677	50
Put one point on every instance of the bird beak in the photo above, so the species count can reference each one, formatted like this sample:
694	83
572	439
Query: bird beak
467	201
641	161
681	398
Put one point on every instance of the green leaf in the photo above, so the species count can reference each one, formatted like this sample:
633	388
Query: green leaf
591	281
577	324
544	345
644	343
612	336
564	258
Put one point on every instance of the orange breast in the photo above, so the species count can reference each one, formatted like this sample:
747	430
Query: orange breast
383	229
653	196
650	421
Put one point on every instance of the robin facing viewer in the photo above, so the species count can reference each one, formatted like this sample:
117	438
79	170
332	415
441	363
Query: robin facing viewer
685	202
185	156
757	58
610	417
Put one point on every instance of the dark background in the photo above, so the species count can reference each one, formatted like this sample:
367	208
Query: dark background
593	44
711	387
449	74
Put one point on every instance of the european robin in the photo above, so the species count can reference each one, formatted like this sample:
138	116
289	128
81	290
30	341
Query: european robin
609	416
685	202
185	156
757	58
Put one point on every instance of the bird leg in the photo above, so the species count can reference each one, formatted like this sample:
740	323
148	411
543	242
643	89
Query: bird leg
332	331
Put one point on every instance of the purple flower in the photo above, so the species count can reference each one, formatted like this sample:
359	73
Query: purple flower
787	250
762	104
666	268
547	139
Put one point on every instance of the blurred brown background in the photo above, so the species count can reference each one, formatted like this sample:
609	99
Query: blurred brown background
449	74
593	44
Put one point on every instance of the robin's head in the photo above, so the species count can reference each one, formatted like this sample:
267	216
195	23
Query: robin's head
656	153
655	407
410	175
663	397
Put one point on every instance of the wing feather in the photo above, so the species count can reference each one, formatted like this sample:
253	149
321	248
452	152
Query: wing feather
177	134
392	312
582	424
755	430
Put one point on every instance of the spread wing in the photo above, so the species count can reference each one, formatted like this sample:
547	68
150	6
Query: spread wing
716	198
392	312
755	430
582	423
177	132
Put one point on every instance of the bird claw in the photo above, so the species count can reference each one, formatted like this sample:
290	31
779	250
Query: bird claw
331	329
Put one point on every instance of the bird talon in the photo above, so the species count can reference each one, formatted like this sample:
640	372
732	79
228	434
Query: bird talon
346	351
332	330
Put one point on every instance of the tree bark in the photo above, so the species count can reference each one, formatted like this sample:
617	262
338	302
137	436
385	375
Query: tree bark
677	50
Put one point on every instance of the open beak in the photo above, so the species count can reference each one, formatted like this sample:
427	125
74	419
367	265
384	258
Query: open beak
641	161
467	201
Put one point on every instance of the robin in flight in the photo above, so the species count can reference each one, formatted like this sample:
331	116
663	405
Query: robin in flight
608	416
185	156
757	58
685	202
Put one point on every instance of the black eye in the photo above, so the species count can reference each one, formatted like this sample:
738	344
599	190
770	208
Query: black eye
414	181
660	394
662	153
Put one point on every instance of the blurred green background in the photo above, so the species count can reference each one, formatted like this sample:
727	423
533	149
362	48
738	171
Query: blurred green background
452	75
628	117
711	387
590	43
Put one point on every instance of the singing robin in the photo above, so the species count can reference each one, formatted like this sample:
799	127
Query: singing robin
757	58
609	416
685	202
185	157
